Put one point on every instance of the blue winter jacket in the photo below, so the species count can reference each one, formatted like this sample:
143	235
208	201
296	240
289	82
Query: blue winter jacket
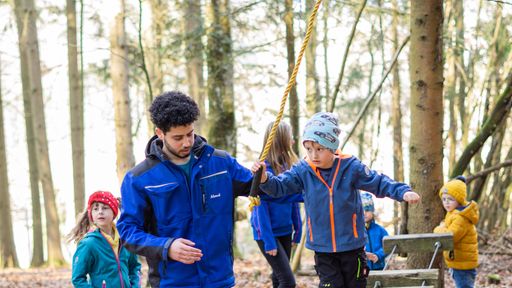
161	205
272	219
374	244
334	212
94	257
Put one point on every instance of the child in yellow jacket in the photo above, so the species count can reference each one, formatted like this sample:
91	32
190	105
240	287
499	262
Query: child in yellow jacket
460	219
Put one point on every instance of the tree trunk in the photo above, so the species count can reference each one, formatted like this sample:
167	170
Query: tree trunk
76	109
426	144
8	256
313	101
222	128
37	227
194	48
159	14
396	123
119	73
293	100
31	49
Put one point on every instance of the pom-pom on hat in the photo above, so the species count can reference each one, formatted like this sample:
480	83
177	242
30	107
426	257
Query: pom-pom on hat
455	188
323	129
367	200
104	197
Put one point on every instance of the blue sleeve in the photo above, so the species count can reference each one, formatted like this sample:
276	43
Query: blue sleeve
134	270
241	177
297	223
265	227
380	252
81	266
131	229
288	182
379	184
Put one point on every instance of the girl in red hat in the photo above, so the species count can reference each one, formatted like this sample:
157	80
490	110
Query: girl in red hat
99	253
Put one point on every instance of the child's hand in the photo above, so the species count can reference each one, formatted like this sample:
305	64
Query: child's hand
372	257
272	252
411	197
256	166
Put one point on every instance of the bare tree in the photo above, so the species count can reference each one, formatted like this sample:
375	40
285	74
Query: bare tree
8	256
119	73
37	226
194	49
313	101
290	49
222	128
426	145
76	109
30	48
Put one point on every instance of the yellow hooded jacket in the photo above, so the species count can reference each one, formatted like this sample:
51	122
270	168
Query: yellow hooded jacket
465	239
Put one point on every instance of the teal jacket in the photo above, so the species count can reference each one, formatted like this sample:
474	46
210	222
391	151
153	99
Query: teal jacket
94	257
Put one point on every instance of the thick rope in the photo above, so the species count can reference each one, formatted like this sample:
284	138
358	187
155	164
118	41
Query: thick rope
255	200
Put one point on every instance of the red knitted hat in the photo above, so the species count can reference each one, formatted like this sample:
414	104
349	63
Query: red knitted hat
104	197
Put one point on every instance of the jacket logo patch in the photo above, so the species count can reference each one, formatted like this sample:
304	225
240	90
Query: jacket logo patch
213	196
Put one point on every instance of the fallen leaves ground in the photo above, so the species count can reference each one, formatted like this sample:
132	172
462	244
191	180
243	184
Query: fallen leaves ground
495	258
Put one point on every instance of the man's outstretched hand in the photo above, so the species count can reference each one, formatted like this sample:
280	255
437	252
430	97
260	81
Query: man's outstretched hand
411	197
182	250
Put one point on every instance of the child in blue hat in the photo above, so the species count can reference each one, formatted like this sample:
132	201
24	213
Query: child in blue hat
375	233
329	182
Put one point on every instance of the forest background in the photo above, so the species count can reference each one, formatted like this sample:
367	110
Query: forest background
420	98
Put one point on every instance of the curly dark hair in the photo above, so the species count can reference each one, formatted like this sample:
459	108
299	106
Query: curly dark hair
171	109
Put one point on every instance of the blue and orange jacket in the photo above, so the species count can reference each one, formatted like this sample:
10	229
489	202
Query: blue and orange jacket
273	219
374	244
94	257
334	212
160	204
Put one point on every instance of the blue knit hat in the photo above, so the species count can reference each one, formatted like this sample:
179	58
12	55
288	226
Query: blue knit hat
367	200
323	129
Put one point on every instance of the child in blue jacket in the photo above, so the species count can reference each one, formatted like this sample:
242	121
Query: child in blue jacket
329	182
273	222
100	260
375	233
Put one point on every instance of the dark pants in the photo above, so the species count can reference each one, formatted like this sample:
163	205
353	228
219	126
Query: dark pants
342	269
282	276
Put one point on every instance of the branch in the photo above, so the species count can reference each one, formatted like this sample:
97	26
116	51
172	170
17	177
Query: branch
349	43
371	97
497	115
491	169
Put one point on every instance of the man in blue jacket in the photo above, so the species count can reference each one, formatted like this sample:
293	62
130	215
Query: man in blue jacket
178	203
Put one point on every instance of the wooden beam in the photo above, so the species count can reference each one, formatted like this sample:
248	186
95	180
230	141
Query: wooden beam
418	242
404	278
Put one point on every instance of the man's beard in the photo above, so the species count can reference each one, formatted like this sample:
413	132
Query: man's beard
173	152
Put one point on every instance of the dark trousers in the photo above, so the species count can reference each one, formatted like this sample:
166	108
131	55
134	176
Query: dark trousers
342	269
282	276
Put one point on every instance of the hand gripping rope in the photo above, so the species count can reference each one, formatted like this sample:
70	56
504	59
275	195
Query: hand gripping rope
253	196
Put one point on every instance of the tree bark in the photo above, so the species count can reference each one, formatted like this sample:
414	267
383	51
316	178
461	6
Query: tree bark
31	49
313	101
37	227
426	144
396	123
8	256
194	48
222	128
293	103
76	110
119	73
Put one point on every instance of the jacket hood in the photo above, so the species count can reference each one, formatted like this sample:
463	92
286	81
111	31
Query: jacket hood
154	147
471	213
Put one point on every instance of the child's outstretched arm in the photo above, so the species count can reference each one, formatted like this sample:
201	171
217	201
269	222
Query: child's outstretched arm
286	183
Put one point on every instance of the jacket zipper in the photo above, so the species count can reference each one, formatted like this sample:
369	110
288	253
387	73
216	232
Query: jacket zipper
117	261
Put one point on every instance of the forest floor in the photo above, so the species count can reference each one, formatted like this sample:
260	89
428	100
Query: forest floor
495	258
